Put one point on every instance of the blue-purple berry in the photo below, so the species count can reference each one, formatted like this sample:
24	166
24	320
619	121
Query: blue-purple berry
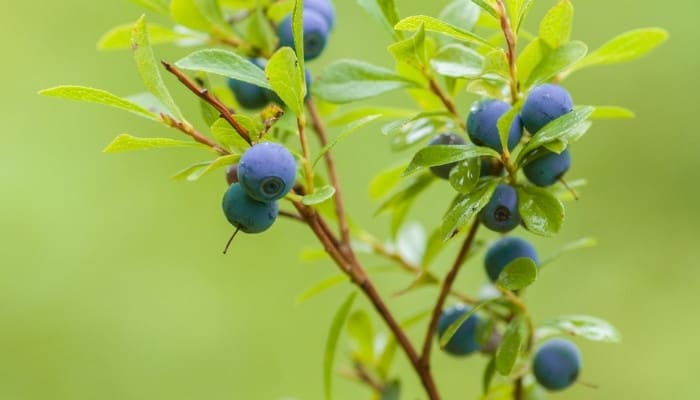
544	104
464	341
504	251
316	31
246	213
267	171
323	7
547	169
557	364
445	139
482	125
501	212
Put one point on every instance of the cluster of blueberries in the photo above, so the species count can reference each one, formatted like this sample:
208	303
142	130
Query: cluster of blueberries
319	18
557	362
543	104
265	174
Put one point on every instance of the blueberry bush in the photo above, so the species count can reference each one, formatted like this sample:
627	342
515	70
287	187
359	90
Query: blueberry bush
505	156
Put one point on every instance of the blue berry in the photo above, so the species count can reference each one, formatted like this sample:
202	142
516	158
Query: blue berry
323	7
247	214
548	169
267	171
248	95
315	33
464	341
443	171
557	364
504	251
482	125
544	104
501	213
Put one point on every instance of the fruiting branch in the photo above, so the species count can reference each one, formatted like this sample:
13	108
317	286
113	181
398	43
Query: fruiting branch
512	42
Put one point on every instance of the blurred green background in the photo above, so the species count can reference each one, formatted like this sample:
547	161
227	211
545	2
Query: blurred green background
112	282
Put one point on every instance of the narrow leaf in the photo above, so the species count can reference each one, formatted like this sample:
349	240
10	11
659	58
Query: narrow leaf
359	328
557	61
584	326
119	38
224	63
98	96
431	24
285	78
332	343
558	128
555	28
444	154
124	142
612	112
508	351
628	46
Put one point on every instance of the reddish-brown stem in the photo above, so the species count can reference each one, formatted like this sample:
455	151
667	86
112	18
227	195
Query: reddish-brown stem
320	130
511	41
435	88
518	389
190	131
364	376
444	292
213	101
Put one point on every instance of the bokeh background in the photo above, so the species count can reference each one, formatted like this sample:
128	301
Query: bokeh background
112	282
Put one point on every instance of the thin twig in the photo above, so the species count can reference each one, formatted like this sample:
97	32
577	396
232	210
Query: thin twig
512	42
446	101
320	130
444	292
190	131
213	101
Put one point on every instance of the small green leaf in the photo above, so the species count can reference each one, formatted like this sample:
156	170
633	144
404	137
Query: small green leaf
431	24
555	28
222	131
461	13
332	344
559	128
530	58
348	80
465	175
542	213
582	243
458	61
506	122
508	351
98	96
612	112
518	274
201	15
318	196
454	327
628	46
444	154
149	68
392	391
119	38
124	142
350	129
298	32
411	51
283	74
224	63
590	328
557	61
466	206
196	171
321	287
359	328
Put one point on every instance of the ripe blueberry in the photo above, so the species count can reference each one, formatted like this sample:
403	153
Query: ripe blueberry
232	174
443	171
557	364
248	95
504	251
482	125
267	171
323	7
247	214
464	341
315	33
548	169
501	213
544	104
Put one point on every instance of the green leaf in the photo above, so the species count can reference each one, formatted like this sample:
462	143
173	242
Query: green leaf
489	6
384	12
225	63
506	122
431	24
517	12
454	327
590	328
541	212
201	15
228	137
385	181
496	65
612	112
444	154
392	391
557	61
489	373
298	32
559	128
260	33
461	13
530	58
465	175
466	206
407	132
196	171
411	51
359	328
321	287
348	80
332	344
628	46
582	243
119	38
518	274
124	142
159	6
98	96
318	196
149	68
555	28
350	129
508	351
458	61
285	78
